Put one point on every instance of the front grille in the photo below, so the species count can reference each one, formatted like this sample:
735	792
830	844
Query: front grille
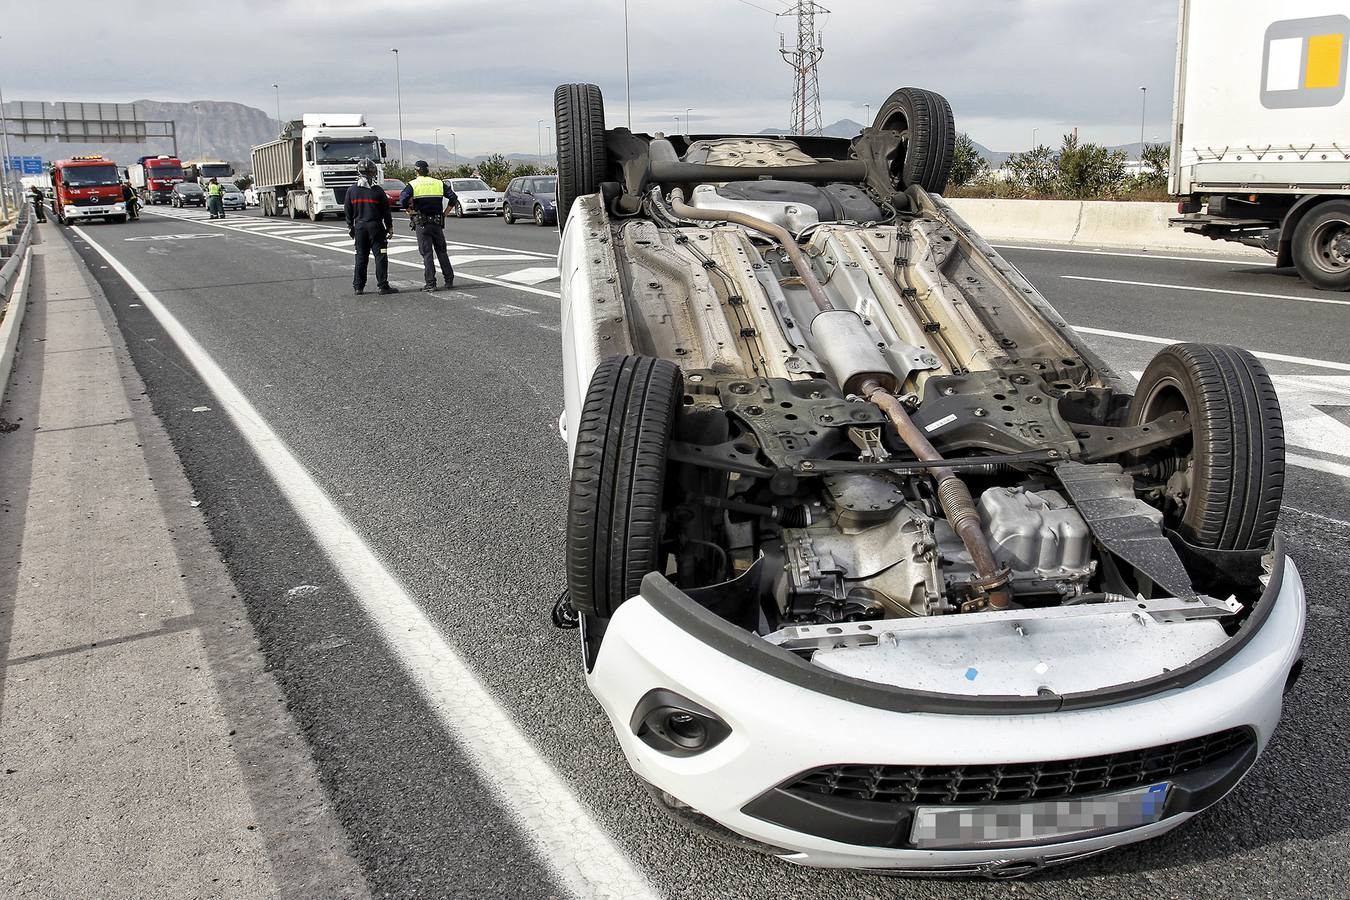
340	178
1014	782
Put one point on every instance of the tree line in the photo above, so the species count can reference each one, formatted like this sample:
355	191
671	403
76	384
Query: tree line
1076	171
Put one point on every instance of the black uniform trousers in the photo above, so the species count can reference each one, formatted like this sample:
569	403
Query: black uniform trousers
371	238
431	244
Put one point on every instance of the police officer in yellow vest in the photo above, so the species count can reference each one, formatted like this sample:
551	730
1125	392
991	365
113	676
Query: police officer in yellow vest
423	199
215	199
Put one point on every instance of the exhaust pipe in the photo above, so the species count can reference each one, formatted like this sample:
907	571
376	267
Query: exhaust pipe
954	496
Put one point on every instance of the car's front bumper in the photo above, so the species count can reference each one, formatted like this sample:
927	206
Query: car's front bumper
94	212
780	729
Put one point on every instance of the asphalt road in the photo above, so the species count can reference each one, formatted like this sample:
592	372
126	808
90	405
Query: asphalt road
429	421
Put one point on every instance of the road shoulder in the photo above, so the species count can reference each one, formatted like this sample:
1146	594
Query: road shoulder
147	752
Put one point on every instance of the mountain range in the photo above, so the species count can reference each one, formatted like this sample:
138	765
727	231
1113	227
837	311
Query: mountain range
215	129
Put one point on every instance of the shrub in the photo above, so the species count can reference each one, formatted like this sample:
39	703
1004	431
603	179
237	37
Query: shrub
967	163
1088	171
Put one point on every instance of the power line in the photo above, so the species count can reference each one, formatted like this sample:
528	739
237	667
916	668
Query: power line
772	12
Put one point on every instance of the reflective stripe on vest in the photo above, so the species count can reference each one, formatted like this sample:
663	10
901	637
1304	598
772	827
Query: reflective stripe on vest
427	187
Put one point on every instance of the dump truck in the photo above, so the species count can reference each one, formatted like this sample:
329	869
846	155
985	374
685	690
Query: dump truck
307	170
1261	130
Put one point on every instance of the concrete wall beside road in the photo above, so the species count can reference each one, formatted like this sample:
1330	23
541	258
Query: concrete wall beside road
1089	223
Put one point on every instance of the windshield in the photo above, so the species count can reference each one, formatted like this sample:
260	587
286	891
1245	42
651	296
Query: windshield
153	171
216	170
230	188
469	184
392	184
338	150
188	187
90	176
544	186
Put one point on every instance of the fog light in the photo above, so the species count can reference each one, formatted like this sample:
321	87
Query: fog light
676	725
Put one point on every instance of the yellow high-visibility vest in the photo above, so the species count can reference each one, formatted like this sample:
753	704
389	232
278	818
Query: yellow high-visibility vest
427	187
215	190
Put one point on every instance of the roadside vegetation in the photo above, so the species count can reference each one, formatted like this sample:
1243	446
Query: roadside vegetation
1076	171
496	170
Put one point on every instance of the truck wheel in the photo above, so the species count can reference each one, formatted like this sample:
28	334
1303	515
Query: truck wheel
579	113
618	479
1229	479
1322	246
928	135
295	213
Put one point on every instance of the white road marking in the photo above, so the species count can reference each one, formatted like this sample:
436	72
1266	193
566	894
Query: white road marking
1316	462
1209	290
532	276
1273	357
1229	261
1319	516
482	279
569	840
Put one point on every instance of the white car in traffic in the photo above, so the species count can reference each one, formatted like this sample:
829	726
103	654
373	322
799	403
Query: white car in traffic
474	198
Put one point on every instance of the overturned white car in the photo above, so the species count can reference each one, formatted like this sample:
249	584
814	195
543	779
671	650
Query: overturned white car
877	564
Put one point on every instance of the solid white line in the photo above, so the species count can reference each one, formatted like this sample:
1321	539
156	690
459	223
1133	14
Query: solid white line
1319	516
1321	465
483	279
1226	261
567	837
1209	290
1273	357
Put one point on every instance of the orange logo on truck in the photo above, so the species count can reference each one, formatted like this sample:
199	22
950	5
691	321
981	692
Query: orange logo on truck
1304	64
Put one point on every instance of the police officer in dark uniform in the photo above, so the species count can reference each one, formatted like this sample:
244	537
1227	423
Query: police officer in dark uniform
370	221
422	199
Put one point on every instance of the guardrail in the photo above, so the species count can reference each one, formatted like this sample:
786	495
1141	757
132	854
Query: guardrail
13	290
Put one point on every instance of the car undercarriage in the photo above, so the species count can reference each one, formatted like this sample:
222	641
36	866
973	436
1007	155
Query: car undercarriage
805	396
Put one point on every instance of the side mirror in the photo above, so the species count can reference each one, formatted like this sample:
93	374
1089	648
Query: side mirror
384	151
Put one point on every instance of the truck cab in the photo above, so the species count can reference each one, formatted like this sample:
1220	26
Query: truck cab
87	187
203	170
154	177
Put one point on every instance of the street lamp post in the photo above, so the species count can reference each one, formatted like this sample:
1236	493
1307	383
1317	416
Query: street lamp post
277	88
687	111
867	115
627	72
198	110
1033	138
8	163
539	140
454	148
677	124
548	140
1143	111
398	94
438	148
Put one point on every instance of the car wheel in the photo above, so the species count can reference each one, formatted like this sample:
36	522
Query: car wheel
618	478
457	211
508	217
539	215
1223	487
928	135
579	113
1322	246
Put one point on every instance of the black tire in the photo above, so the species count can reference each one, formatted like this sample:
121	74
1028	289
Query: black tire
457	211
508	216
1235	455
1321	246
618	478
928	132
539	215
579	114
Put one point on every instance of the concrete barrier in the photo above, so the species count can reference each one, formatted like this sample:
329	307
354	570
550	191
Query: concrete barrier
13	299
1090	223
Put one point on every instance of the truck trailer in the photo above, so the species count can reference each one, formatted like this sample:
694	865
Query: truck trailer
203	170
1261	130
307	170
153	177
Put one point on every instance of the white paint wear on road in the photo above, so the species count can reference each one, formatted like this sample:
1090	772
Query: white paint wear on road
1208	290
570	842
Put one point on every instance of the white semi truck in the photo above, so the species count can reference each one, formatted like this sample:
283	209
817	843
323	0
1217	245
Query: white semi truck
306	171
1261	130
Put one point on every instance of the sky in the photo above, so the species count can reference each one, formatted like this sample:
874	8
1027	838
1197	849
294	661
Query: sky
485	69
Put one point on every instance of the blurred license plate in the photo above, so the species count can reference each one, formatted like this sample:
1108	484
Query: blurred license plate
1008	825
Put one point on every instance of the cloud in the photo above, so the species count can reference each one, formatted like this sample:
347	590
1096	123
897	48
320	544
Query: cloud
486	70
